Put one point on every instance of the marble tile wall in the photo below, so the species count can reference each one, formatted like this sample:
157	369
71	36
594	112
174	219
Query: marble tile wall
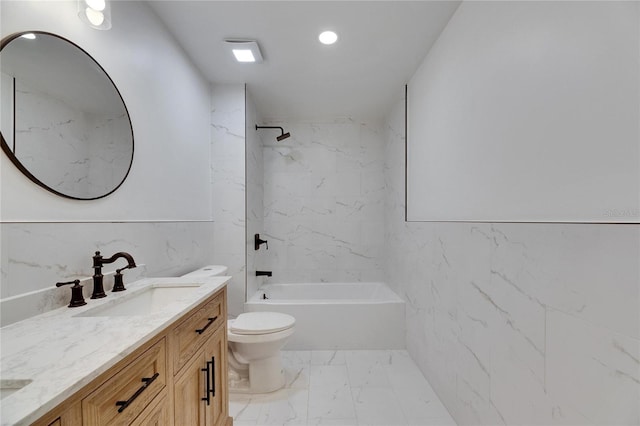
324	201
228	186
34	256
517	323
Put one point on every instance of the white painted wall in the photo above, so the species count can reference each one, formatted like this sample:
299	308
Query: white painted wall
162	214
528	111
514	323
168	101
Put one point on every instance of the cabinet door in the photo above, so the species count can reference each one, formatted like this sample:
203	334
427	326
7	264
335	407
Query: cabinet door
216	354
189	389
156	415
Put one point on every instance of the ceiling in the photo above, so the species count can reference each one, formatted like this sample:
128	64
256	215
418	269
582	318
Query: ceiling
380	45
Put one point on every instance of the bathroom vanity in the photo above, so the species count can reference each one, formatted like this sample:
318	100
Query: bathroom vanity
154	356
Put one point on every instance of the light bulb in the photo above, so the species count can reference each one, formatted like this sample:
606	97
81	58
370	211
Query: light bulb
98	5
95	17
243	55
328	37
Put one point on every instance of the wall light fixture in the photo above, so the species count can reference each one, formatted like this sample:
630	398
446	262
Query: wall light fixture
95	13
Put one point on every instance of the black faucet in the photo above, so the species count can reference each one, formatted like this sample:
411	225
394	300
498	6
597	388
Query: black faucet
263	273
98	262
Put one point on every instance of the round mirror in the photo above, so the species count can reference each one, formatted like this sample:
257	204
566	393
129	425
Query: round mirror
63	122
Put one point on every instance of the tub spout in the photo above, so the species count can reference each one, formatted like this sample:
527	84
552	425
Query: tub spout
263	273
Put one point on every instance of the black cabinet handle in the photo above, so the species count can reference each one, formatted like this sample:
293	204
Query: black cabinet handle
211	320
213	376
147	382
207	390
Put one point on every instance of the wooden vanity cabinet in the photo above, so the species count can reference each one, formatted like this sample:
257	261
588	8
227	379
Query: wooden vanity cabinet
200	366
179	377
200	390
122	398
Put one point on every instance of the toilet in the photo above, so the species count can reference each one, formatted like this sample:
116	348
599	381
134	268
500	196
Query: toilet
207	271
255	340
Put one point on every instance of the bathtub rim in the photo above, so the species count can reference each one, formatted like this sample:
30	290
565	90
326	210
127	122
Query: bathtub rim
390	296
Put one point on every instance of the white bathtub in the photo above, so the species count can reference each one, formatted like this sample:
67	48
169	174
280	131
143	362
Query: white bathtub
336	315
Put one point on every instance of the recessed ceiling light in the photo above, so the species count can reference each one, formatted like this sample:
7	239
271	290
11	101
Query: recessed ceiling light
328	37
245	50
243	55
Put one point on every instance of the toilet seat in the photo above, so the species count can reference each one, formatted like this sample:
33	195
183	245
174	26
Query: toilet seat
258	323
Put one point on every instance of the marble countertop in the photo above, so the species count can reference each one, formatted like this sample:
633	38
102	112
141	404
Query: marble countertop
60	352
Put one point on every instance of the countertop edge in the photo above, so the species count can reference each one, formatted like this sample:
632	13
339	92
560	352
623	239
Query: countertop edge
157	323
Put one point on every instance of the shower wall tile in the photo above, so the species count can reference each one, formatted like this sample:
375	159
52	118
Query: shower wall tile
517	323
324	201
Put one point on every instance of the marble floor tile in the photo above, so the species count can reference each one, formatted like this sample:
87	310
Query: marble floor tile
328	377
377	406
295	358
332	422
345	388
331	403
289	410
297	376
367	368
421	406
327	357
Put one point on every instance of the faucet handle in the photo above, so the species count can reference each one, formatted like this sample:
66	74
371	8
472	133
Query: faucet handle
118	284
77	299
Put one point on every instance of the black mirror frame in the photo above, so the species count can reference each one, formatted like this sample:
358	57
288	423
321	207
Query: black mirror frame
7	150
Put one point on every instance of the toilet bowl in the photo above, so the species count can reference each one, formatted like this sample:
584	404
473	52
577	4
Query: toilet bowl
254	343
255	340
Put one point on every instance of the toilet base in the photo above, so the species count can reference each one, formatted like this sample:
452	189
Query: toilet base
263	376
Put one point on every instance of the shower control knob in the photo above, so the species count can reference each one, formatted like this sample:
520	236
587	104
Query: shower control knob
258	242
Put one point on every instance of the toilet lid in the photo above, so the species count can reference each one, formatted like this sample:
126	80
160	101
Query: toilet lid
261	323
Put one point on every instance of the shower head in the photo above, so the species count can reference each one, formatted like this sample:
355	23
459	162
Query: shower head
282	136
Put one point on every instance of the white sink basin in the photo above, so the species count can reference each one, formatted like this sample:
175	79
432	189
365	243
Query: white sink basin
8	387
143	302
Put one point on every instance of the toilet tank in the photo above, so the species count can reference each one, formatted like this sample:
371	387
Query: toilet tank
207	271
